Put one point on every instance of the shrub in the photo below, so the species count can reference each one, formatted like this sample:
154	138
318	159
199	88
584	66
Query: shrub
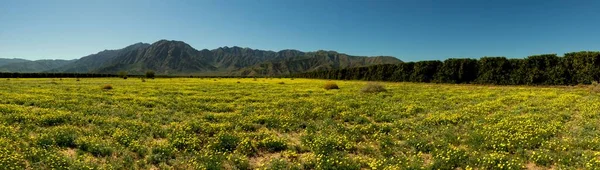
279	163
330	85
138	148
94	145
326	144
10	158
272	144
65	137
542	157
60	136
246	147
122	74
150	74
226	143
209	161
595	87
124	136
161	152
143	80
184	140
107	87
336	161
373	88
238	162
54	119
495	160
451	158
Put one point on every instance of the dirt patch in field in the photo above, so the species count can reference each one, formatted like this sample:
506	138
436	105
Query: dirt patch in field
427	159
263	159
69	152
533	166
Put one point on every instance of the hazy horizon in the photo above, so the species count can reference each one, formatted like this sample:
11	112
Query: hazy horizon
408	30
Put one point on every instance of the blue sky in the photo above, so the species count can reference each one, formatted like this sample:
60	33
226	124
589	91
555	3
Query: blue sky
410	30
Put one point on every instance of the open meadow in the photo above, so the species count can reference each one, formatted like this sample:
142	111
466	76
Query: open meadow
212	123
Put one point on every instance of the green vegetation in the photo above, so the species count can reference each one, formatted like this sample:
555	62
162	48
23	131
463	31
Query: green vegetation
33	66
188	123
549	69
123	74
107	87
373	88
160	56
52	75
330	85
150	74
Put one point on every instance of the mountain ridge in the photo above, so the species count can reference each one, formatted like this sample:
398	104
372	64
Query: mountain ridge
34	66
6	61
171	57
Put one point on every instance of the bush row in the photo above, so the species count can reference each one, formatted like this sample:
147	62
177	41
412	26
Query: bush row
548	69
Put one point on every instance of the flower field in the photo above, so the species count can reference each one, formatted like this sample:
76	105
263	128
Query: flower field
194	123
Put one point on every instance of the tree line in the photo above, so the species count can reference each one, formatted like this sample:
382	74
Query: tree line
547	69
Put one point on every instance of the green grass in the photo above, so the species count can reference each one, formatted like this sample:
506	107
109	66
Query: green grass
186	123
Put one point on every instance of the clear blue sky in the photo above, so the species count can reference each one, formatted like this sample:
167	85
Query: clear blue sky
410	30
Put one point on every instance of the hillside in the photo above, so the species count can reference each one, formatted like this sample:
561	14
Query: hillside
179	58
34	66
176	57
93	62
6	61
314	61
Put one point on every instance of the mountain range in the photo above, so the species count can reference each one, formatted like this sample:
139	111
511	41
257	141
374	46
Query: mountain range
6	61
167	57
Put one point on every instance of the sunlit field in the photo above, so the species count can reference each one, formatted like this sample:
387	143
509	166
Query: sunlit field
212	123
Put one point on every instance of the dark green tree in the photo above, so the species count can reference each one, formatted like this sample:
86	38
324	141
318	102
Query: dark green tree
150	74
424	71
123	74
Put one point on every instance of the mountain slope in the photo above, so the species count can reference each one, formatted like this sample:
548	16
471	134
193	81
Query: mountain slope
6	61
235	58
164	57
95	61
34	66
178	58
314	61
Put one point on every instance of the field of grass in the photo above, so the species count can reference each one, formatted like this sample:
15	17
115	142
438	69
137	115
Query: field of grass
192	123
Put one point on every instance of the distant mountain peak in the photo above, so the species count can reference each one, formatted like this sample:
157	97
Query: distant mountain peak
137	45
161	42
289	50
